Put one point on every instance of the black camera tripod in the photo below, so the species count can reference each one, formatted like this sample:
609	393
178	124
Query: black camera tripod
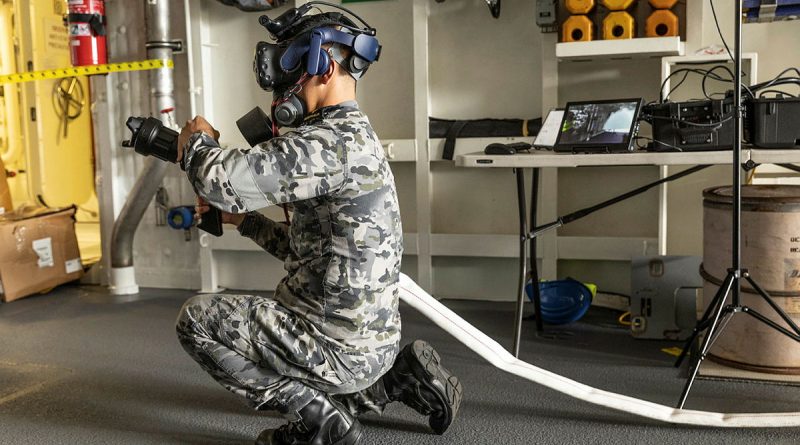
718	314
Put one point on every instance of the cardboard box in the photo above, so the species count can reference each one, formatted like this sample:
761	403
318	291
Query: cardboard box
5	191
38	251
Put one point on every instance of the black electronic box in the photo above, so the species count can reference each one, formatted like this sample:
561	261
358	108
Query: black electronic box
703	125
773	122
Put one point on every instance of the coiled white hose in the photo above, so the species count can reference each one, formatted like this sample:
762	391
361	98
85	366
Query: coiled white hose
495	354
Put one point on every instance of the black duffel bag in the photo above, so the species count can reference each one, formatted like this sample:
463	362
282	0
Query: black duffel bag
480	128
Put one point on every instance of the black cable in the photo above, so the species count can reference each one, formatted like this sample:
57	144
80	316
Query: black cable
779	77
685	76
673	147
780	92
370	29
706	73
709	76
719	31
778	80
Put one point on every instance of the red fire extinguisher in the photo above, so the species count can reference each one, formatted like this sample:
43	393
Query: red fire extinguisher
87	32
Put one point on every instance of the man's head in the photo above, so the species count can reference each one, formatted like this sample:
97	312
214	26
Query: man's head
334	86
315	61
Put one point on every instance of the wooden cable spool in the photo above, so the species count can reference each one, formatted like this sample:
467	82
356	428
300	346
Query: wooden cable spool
771	253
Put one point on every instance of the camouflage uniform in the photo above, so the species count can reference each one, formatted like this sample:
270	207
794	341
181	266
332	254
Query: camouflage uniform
333	324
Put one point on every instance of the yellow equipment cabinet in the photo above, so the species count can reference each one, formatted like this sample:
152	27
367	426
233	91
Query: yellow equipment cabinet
577	28
662	23
12	153
57	126
579	6
619	25
618	5
56	152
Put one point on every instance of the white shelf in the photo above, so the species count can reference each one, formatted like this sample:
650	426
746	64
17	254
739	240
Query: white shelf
710	58
775	156
400	150
615	49
541	159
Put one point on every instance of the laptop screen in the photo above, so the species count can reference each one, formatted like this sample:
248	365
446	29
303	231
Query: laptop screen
606	124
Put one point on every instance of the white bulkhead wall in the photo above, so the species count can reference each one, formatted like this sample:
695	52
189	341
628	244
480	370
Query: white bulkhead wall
478	67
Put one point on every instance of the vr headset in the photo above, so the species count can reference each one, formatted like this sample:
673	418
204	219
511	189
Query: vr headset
298	54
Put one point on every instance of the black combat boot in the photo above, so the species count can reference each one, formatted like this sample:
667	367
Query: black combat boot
322	422
420	381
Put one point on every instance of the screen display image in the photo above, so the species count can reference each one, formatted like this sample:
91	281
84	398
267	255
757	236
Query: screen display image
598	123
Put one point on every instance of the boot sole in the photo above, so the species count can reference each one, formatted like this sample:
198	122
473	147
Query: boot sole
352	437
427	368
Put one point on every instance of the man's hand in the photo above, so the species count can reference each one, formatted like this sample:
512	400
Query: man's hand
193	126
227	218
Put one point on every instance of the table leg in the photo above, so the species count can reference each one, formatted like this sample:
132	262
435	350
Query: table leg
537	298
523	259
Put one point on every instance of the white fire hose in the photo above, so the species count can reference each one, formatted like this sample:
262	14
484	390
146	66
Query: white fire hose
495	354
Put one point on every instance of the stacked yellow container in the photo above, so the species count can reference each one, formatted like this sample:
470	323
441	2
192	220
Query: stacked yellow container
662	22
578	27
618	24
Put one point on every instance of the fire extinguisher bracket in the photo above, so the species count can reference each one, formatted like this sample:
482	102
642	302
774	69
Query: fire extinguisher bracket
96	22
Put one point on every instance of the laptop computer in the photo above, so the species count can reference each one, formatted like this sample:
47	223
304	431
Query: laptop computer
604	126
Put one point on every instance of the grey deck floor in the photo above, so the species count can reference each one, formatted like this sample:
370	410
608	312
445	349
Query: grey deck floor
79	368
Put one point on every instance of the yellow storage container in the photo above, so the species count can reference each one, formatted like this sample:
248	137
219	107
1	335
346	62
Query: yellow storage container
619	25
663	4
662	23
579	6
577	28
618	5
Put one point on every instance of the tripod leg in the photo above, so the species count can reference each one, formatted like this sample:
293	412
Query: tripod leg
758	316
706	343
765	295
727	316
716	302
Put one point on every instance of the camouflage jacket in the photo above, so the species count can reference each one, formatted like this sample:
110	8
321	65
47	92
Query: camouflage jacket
343	249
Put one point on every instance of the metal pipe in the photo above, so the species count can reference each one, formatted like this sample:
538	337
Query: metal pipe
159	46
736	231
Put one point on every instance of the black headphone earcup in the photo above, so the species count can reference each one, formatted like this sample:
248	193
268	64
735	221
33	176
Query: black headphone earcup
357	65
291	112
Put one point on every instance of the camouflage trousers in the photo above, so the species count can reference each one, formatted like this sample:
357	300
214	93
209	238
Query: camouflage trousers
256	348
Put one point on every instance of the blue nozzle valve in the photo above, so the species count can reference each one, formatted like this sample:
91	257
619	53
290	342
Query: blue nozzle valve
181	218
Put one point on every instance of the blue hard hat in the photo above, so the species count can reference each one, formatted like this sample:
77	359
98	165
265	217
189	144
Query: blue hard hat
563	301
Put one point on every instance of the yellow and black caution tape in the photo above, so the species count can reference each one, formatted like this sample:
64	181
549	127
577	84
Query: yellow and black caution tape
59	73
